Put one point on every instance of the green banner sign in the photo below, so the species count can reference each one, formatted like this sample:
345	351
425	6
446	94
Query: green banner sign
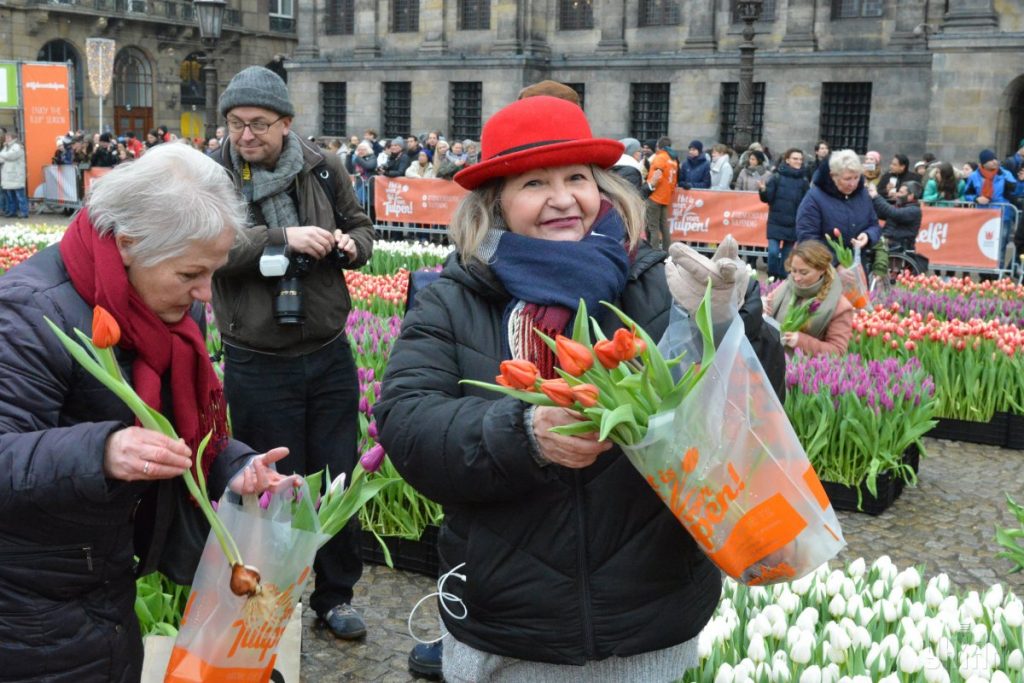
8	85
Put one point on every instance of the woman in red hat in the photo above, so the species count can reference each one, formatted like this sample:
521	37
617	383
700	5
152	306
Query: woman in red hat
564	560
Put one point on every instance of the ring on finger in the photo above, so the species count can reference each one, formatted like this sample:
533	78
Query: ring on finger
145	468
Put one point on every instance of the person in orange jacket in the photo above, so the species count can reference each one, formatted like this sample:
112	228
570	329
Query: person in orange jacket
661	185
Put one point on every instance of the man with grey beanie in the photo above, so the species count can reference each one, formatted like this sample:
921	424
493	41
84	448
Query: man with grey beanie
289	375
630	166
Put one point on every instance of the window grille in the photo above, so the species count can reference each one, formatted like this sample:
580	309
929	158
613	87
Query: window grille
466	110
658	13
845	115
851	9
648	110
282	16
575	15
341	18
728	111
397	109
474	15
332	108
767	11
405	16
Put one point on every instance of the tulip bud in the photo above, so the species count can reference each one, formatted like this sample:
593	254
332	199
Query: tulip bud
519	374
625	344
559	391
607	354
586	395
265	499
372	459
105	330
575	358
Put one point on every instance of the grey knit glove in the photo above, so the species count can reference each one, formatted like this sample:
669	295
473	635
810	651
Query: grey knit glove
688	273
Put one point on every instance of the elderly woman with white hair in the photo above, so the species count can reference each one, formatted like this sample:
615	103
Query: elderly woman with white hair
838	200
84	490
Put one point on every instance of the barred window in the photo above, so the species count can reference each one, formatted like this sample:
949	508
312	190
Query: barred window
332	108
728	111
767	11
341	18
282	15
658	13
405	16
648	110
466	110
845	115
397	109
474	15
849	9
575	15
581	91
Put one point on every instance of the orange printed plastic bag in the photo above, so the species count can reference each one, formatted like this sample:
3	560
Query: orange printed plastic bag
855	282
730	467
225	637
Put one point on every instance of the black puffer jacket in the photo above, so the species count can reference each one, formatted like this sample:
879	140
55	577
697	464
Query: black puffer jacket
902	222
562	565
67	587
783	193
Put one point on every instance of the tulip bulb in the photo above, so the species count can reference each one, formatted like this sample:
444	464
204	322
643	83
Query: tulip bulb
245	580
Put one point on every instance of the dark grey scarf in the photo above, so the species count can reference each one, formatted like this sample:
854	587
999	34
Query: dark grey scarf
270	187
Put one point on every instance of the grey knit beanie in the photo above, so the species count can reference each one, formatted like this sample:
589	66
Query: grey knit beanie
256	86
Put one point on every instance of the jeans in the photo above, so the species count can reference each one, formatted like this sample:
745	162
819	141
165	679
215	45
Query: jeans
16	202
310	404
778	252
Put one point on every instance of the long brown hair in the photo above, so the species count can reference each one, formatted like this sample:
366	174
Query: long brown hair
817	256
947	181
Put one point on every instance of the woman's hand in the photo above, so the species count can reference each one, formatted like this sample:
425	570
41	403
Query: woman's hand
259	475
872	190
790	339
860	241
569	451
347	245
136	453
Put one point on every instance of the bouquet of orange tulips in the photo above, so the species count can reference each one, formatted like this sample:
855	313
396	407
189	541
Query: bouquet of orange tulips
617	383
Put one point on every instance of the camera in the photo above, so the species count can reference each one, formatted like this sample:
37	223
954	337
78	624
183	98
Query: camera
290	269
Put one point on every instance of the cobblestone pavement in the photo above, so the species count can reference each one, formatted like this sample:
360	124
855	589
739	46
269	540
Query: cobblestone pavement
946	523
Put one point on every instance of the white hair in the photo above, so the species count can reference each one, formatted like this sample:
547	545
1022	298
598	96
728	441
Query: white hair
169	198
844	160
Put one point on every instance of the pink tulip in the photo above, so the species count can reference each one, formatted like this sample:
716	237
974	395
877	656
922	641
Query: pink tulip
372	459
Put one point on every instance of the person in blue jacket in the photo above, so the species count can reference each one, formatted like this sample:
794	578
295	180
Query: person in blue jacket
838	200
695	170
992	185
783	192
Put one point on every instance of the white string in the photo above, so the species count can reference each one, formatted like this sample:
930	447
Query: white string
444	596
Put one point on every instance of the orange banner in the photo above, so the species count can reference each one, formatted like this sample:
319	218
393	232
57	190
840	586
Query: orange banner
960	237
92	175
708	216
46	102
416	200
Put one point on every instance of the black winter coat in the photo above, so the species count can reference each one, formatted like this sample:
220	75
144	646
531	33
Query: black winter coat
67	585
695	173
561	565
783	193
902	223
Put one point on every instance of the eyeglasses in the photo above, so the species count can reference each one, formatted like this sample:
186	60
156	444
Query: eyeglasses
257	127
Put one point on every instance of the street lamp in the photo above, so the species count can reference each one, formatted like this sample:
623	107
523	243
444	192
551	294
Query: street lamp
749	12
210	15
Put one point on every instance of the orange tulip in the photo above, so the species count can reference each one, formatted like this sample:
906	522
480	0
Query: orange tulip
690	460
575	358
625	344
607	354
586	395
559	391
105	330
519	374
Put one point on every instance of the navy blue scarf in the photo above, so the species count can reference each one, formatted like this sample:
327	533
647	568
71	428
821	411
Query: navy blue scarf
547	279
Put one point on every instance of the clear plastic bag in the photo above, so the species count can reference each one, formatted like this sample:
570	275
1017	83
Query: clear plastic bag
225	637
730	467
855	282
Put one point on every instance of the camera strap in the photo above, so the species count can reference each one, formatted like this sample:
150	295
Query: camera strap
247	182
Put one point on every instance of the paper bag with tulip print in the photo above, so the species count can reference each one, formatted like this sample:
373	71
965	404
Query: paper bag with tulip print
730	467
225	637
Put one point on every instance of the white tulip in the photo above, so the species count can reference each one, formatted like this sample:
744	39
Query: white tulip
841	639
994	596
991	655
724	674
972	662
834	582
773	613
780	671
808	619
882	564
878	588
856	568
802	585
1014	613
908	660
864	616
779	629
789	602
891	678
835	653
759	625
889	611
979	633
997	633
830	673
935	674
705	642
861	638
945	649
811	674
890	645
1015	660
896	594
942	581
853	605
837	607
917	611
934	630
802	649
970	608
999	677
932	596
909	579
756	649
874	652
950	604
793	636
745	669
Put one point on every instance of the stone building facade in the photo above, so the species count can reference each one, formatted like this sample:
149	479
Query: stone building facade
944	76
159	76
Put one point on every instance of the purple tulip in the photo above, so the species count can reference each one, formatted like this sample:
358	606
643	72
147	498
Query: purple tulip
265	499
371	430
372	459
215	505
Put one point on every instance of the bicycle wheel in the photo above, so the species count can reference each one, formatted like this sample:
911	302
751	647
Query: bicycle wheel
900	263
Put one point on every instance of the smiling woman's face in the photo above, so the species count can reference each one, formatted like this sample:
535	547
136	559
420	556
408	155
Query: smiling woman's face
557	203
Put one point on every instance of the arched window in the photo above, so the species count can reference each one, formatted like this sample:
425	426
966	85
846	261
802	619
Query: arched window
63	52
133	79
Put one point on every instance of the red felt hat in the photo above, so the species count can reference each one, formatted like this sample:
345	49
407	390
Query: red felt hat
537	132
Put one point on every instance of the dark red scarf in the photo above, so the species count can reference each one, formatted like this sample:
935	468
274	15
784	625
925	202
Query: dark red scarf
179	350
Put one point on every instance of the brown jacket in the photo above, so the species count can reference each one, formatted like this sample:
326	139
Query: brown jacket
243	298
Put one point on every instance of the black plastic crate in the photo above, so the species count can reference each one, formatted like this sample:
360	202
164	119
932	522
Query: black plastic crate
1015	431
992	433
419	557
889	488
